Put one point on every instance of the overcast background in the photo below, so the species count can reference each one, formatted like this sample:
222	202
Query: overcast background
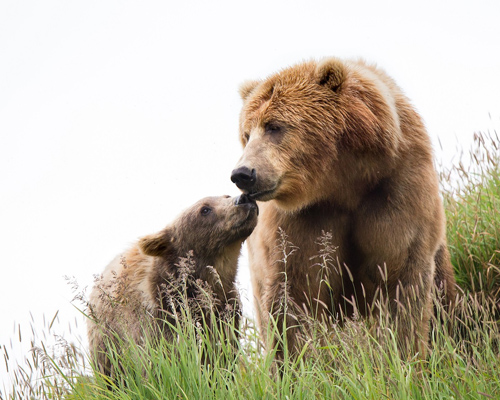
115	115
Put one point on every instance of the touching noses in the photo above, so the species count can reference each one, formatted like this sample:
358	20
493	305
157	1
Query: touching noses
244	178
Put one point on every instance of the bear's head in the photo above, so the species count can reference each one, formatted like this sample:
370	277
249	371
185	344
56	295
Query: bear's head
302	128
208	228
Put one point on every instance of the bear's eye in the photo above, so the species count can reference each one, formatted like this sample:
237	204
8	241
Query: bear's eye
246	137
205	211
272	128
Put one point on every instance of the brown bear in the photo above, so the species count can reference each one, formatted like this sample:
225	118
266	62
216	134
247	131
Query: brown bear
197	253
336	147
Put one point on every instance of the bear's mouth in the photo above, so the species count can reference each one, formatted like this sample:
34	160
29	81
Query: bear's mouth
264	195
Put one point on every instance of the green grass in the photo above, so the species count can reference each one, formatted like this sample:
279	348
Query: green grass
345	362
472	204
348	363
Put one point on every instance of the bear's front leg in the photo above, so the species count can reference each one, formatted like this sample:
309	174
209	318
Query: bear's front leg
280	325
410	306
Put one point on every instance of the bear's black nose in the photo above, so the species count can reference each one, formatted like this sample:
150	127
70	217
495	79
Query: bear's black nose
244	178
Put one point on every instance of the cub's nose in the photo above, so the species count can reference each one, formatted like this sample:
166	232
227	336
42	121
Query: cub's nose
247	202
244	178
244	199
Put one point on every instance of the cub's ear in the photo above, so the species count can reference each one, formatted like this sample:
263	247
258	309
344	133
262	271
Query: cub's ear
247	87
331	73
158	244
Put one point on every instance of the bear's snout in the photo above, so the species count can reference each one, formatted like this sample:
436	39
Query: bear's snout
244	178
246	200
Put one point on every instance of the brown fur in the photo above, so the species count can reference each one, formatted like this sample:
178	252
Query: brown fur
133	296
337	147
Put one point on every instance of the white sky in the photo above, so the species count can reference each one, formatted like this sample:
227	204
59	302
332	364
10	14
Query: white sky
115	115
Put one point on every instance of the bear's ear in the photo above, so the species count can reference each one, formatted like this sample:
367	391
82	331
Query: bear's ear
331	73
247	87
158	244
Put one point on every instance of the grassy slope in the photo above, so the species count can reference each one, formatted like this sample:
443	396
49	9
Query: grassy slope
345	363
472	207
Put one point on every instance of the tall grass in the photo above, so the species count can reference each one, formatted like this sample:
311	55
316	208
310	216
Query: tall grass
472	204
349	363
352	361
51	366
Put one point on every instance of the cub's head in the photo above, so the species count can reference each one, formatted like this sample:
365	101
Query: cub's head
208	228
295	126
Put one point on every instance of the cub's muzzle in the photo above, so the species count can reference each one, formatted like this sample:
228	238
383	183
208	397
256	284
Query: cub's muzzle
247	202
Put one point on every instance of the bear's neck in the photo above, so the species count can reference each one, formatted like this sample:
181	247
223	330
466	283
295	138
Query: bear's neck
217	270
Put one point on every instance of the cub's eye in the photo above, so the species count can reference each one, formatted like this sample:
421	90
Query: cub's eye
272	128
205	211
246	137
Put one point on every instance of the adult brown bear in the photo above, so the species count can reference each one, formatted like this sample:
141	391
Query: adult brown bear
335	146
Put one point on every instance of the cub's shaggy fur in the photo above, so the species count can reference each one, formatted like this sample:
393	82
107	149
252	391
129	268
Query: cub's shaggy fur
335	146
136	293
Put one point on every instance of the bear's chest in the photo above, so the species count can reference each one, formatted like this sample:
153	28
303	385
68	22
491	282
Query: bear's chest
308	235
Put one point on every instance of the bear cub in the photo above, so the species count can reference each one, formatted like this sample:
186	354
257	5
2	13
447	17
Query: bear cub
196	254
